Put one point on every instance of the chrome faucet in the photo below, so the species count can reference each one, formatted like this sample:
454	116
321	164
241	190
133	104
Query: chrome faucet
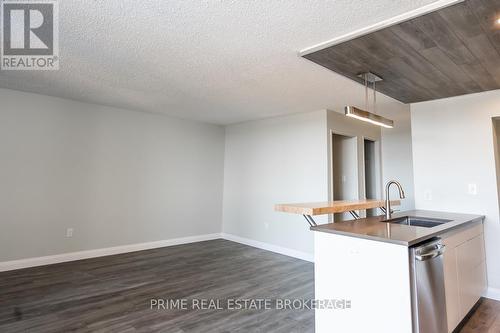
388	210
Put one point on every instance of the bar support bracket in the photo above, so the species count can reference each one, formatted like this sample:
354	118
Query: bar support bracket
313	223
354	214
310	220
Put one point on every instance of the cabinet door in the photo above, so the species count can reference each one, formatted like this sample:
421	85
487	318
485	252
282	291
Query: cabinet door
471	273
451	284
464	271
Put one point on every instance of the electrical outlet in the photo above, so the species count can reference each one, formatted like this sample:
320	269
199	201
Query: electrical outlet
472	189
69	232
266	225
428	195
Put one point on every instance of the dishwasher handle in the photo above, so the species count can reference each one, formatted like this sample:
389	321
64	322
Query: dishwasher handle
435	252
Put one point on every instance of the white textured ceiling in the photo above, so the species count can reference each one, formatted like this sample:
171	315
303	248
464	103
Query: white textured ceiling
215	61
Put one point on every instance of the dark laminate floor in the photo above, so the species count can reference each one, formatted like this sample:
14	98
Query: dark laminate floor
112	294
486	319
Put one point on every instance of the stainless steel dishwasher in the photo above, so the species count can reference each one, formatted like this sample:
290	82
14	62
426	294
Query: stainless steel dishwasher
427	284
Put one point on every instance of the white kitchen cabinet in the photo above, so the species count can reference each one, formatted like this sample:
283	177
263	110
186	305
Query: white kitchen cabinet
370	266
372	276
464	270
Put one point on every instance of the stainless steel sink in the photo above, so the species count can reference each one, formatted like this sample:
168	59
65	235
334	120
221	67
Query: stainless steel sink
416	221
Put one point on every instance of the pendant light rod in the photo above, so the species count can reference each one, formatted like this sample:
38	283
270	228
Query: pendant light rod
367	107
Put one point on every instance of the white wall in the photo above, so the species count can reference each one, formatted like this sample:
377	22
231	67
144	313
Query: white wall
338	123
453	146
286	160
397	158
272	161
116	176
395	146
122	177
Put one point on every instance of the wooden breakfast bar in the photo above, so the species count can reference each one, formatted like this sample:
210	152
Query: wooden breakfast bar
310	209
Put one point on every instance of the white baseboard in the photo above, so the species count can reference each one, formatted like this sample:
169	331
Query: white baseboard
64	257
87	254
269	247
493	293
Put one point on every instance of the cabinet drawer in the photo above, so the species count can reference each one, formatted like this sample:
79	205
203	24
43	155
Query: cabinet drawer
471	269
458	236
471	253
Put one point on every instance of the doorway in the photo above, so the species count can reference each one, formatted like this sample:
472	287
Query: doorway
370	173
344	170
496	145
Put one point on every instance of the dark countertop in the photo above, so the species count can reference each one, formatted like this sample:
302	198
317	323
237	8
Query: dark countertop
374	229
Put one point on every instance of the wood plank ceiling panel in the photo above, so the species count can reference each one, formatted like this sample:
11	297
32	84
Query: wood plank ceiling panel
449	52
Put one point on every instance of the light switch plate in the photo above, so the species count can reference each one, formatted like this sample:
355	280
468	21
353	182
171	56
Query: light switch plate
472	189
428	195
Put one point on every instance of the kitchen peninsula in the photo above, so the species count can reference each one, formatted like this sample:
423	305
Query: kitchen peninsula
420	271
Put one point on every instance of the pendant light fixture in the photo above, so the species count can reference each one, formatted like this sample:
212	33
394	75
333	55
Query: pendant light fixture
366	116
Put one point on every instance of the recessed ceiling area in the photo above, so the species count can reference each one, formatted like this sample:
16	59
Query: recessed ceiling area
215	61
452	51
